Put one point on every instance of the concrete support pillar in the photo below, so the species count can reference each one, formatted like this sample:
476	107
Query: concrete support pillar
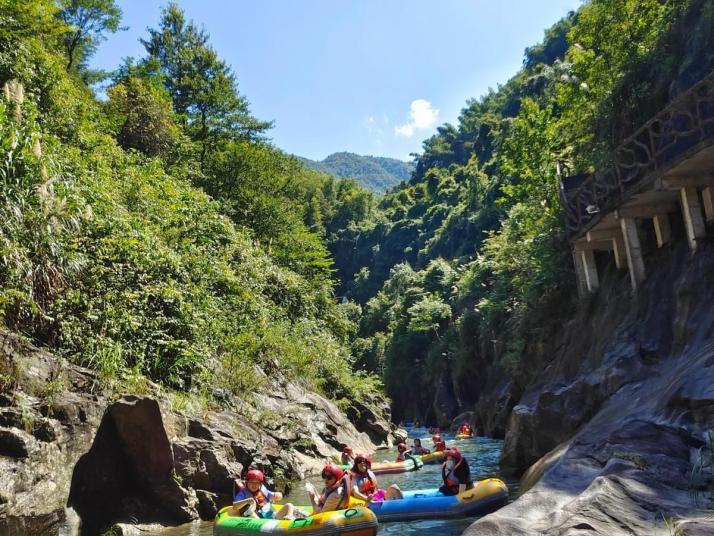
635	262
579	274
708	198
663	230
692	214
618	249
590	269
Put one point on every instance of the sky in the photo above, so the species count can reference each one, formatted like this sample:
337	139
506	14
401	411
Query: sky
366	76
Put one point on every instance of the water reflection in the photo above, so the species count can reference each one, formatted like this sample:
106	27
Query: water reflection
482	454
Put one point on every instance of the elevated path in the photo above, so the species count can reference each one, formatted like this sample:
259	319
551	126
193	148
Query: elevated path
664	170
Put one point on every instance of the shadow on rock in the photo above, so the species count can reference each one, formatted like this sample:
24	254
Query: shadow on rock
128	474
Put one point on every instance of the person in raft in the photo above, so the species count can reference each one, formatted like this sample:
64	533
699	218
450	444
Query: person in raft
346	458
336	493
455	473
439	443
465	429
252	499
364	483
403	452
417	448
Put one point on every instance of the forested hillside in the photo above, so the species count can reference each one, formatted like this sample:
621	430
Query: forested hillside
459	266
157	234
376	173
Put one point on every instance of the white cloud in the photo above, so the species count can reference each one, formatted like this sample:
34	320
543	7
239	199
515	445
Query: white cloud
422	115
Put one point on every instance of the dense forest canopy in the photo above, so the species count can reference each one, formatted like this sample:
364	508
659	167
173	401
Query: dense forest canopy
159	234
456	264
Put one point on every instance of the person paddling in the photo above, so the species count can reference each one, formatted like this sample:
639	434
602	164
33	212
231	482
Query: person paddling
455	473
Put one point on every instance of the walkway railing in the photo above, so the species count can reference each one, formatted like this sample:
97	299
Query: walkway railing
683	127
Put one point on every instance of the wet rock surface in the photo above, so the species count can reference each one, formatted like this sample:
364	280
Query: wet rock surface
614	437
74	455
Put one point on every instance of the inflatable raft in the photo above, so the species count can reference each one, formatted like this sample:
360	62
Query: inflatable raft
464	436
353	522
485	496
386	468
433	457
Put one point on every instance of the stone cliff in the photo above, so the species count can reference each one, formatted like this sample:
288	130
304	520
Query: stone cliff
75	456
615	431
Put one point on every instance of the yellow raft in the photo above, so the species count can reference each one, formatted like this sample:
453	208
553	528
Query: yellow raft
433	457
356	521
464	436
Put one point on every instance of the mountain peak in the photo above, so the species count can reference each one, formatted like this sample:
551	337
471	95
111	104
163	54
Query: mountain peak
376	173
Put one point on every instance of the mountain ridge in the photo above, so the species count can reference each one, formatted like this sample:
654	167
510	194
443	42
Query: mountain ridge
377	173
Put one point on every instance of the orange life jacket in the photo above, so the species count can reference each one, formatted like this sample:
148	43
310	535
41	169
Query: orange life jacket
369	484
260	499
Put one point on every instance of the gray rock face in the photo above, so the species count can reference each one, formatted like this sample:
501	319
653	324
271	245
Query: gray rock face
615	434
445	404
136	462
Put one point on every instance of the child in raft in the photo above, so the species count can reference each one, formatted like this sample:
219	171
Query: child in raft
252	499
439	443
455	473
346	457
417	448
403	453
336	493
364	483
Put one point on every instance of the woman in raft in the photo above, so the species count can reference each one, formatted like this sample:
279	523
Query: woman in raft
364	483
252	499
455	473
417	448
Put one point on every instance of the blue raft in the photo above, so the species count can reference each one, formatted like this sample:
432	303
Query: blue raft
486	496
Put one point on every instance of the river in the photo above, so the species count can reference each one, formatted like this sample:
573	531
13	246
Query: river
482	453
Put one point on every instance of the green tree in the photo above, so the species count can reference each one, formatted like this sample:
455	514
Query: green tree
144	118
88	22
202	86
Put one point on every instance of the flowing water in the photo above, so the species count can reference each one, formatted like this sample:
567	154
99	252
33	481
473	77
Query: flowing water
482	454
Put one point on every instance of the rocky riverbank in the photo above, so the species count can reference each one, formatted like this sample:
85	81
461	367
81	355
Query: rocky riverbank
75	454
614	433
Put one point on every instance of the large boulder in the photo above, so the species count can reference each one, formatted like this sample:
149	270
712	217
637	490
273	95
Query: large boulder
128	474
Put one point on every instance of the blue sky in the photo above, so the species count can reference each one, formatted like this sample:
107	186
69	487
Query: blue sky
366	76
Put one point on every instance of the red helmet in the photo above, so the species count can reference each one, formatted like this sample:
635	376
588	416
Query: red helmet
332	470
347	450
436	438
255	474
362	458
401	447
454	453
